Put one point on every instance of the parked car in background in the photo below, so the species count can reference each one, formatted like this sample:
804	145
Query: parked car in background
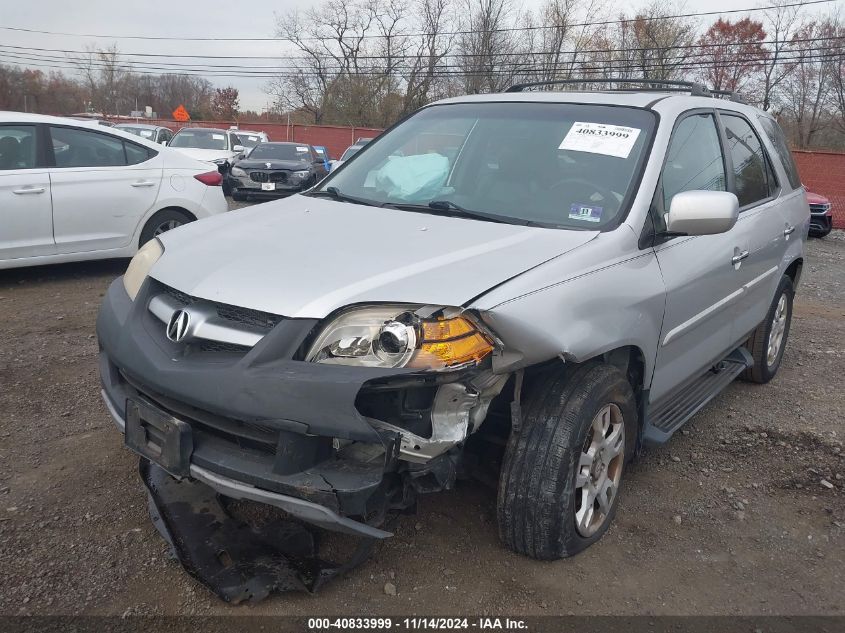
249	138
93	120
71	191
275	169
349	153
323	153
579	280
154	133
821	214
221	147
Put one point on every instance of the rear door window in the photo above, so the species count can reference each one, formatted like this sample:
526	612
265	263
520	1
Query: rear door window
776	136
136	154
17	147
73	147
753	178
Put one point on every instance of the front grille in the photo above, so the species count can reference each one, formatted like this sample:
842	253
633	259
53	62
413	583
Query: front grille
268	176
235	314
819	208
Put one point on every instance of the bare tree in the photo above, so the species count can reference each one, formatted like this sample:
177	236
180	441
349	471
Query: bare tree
780	22
806	90
486	49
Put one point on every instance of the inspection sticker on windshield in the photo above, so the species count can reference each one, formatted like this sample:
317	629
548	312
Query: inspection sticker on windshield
585	212
599	138
301	149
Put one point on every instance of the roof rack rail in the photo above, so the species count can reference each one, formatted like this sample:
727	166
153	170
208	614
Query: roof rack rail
695	89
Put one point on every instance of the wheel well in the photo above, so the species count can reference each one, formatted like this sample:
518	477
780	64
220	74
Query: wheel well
180	210
191	218
793	271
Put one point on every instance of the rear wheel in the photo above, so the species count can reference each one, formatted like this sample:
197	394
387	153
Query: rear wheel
768	341
163	221
559	485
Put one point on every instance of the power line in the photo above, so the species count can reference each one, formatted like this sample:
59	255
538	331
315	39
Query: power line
503	71
410	56
446	33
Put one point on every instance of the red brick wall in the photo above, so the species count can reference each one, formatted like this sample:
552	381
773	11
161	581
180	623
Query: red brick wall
335	138
824	174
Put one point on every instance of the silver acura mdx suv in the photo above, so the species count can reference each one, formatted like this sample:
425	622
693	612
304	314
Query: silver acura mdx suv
560	276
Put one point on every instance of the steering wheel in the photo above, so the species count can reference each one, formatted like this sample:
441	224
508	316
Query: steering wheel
593	188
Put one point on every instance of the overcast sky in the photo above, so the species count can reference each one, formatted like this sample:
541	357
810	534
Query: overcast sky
191	18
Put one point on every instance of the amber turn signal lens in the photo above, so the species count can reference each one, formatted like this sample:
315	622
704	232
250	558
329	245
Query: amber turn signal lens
450	342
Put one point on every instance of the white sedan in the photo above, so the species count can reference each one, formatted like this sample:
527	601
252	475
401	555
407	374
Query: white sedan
72	191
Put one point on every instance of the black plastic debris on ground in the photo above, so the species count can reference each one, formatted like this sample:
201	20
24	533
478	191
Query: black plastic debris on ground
237	561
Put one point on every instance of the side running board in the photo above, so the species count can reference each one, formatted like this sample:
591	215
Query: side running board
666	417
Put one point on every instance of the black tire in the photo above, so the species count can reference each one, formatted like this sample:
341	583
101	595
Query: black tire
170	218
239	197
763	370
820	234
537	500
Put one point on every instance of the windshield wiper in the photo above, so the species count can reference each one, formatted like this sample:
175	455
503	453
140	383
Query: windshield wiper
335	194
447	207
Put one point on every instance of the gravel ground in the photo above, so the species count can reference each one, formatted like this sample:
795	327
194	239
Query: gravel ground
731	517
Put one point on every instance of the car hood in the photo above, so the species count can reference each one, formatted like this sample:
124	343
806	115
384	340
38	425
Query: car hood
257	163
814	198
306	257
207	155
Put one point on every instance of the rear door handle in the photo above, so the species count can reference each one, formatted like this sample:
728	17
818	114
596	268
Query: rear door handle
143	183
738	258
27	190
788	231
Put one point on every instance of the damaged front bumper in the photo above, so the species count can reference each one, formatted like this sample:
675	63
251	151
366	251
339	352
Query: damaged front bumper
335	446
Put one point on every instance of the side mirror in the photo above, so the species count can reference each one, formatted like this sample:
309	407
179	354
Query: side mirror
164	141
702	212
238	148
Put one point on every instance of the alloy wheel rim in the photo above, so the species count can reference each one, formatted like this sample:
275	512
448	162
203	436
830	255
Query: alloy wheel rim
599	470
777	331
166	226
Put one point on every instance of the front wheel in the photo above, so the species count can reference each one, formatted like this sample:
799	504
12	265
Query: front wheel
768	341
560	481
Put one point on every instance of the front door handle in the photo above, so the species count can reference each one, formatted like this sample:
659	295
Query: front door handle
738	258
143	183
788	231
27	190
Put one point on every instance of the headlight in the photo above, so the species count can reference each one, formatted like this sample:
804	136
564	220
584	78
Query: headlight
397	336
140	266
302	174
237	171
220	161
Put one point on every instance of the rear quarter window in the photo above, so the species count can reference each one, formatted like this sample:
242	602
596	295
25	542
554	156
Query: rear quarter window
778	139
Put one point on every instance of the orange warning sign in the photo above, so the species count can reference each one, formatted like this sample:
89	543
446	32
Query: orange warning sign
181	114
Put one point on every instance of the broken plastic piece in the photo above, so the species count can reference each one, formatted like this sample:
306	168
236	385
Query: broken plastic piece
237	561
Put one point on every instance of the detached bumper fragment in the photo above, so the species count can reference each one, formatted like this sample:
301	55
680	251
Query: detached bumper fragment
238	562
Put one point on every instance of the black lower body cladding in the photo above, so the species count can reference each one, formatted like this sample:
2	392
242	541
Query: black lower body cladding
257	418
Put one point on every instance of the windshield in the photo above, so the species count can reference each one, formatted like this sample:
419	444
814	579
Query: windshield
200	139
281	151
567	165
143	132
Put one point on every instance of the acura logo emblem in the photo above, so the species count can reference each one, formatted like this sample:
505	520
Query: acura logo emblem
177	328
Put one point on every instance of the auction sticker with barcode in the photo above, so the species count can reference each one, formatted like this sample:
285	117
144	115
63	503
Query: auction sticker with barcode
600	138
